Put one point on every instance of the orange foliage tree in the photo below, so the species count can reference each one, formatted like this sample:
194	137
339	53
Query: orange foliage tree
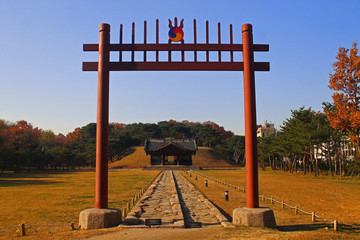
344	113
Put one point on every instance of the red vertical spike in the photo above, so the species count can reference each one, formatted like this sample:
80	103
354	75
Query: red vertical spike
207	40
133	42
231	42
175	22
195	41
121	41
219	40
144	40
157	38
169	56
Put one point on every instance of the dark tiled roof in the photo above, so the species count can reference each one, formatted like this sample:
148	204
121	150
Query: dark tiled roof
188	145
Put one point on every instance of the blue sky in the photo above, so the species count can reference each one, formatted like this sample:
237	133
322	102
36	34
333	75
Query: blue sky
41	55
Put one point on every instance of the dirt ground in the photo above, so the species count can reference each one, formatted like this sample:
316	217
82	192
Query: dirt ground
217	232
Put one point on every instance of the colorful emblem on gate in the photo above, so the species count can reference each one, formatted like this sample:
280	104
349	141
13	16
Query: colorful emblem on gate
176	33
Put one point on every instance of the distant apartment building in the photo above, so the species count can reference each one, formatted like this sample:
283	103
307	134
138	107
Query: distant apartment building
265	130
346	150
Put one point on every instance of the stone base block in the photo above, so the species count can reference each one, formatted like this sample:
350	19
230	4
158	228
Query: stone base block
257	217
94	218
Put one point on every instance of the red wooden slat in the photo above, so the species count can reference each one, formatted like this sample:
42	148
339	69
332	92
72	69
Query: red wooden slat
132	41
219	40
144	40
195	41
207	40
157	38
231	42
121	41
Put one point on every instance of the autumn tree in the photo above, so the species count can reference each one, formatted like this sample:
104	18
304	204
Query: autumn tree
344	113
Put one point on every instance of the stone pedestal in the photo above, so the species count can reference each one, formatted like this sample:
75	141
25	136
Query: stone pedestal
94	218
257	217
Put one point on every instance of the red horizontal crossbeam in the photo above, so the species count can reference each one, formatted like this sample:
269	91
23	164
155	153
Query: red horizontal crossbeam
176	66
176	47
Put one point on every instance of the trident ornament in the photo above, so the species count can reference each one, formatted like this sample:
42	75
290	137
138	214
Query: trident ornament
176	33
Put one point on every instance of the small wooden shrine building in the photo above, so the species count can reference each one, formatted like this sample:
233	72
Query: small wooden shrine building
180	149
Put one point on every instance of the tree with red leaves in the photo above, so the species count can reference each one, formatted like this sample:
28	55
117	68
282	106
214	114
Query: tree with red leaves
344	113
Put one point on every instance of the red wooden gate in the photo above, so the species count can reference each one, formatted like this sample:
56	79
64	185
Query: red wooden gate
104	66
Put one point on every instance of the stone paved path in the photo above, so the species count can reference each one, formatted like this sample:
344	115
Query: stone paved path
196	208
159	201
174	200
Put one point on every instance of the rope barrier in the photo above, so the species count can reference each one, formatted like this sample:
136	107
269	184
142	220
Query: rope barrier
335	222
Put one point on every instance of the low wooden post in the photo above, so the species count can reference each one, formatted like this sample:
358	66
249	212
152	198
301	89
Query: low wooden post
262	198
313	216
296	210
72	226
22	226
128	206
282	204
335	225
271	200
124	213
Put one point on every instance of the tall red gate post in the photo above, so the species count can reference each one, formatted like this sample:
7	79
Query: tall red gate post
252	214
252	199
102	126
101	216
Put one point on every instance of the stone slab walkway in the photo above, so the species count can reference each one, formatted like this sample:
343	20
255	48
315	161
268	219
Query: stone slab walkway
174	200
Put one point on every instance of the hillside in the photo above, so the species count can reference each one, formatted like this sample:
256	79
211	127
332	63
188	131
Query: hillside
136	158
208	157
204	157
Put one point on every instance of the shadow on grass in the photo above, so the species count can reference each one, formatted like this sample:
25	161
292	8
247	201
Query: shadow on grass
45	173
36	177
303	227
127	152
23	182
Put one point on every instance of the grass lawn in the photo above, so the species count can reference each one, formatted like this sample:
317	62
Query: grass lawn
57	198
43	200
330	198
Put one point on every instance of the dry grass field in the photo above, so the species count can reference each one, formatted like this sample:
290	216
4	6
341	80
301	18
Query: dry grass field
136	158
205	157
330	198
48	201
56	198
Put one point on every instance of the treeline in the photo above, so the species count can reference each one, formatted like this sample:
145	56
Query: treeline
306	142
24	147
